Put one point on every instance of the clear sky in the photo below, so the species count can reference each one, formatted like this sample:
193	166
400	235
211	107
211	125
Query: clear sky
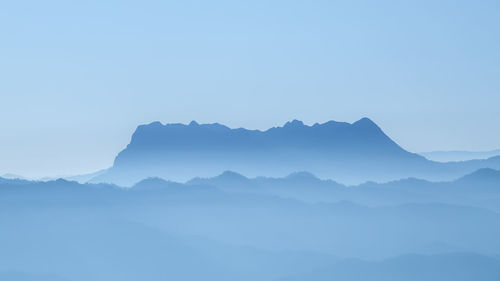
77	77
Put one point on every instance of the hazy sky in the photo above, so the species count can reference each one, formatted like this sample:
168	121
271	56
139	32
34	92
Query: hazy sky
77	77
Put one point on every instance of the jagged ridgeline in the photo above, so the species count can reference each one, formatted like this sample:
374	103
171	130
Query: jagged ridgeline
348	153
206	202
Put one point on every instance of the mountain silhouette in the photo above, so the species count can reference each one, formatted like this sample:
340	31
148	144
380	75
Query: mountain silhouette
479	189
458	155
445	267
349	153
482	176
345	225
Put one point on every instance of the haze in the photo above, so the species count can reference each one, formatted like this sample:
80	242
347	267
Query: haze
78	77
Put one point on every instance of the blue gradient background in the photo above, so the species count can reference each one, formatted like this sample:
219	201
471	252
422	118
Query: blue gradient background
77	77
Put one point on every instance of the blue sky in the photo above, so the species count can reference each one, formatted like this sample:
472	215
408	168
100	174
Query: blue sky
77	77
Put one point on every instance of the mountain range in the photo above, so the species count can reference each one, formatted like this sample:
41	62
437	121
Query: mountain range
459	155
349	153
231	227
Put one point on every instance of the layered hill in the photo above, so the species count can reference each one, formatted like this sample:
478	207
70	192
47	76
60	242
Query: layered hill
348	153
162	228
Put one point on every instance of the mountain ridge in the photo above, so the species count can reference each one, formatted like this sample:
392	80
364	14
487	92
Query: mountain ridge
350	153
459	155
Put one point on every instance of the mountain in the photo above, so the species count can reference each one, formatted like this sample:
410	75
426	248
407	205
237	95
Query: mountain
484	176
13	181
85	177
459	155
349	153
447	267
37	216
13	176
302	186
479	189
231	227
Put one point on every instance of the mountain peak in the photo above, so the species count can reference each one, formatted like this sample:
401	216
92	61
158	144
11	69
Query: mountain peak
154	183
301	175
294	124
155	124
482	175
365	122
230	175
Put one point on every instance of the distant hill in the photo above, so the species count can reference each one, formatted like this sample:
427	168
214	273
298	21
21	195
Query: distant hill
480	188
349	153
85	177
448	267
483	177
13	176
67	219
458	155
